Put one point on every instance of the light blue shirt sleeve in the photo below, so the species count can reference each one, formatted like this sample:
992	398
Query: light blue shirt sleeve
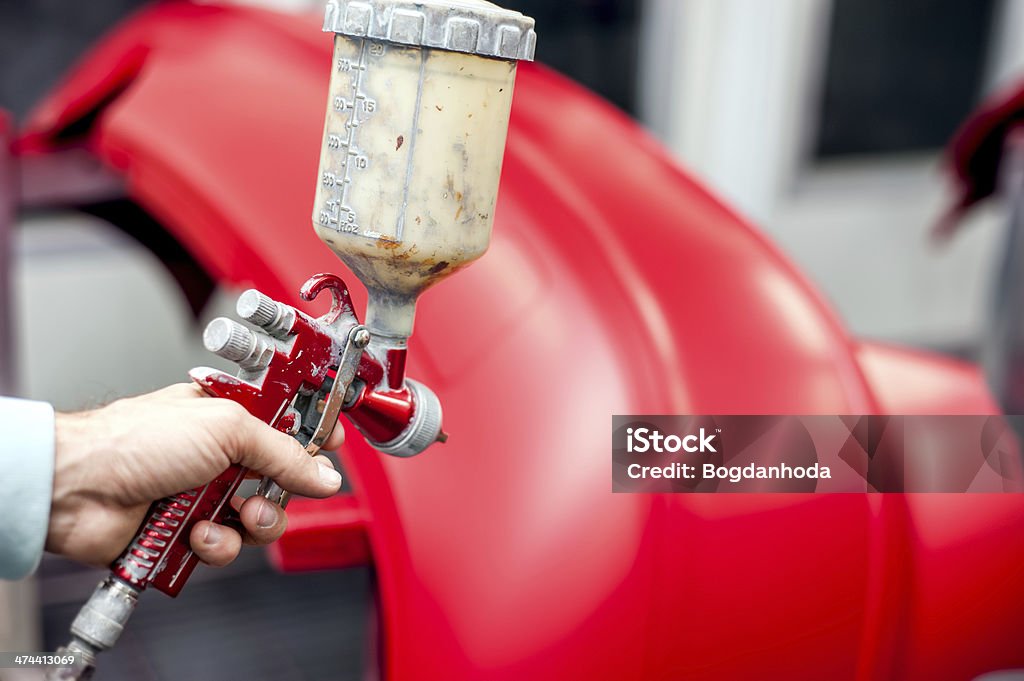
26	470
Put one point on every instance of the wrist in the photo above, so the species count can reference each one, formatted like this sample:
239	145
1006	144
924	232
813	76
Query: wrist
72	489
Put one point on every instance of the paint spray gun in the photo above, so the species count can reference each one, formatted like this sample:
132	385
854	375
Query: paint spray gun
417	117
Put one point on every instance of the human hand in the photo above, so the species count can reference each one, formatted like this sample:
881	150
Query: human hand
114	462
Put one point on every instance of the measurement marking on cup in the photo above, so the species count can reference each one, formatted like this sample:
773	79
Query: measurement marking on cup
352	126
338	213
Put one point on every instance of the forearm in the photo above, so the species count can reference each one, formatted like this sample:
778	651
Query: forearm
27	464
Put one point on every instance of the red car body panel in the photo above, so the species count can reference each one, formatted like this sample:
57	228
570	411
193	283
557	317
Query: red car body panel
616	284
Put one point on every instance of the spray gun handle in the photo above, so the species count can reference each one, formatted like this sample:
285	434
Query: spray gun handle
160	556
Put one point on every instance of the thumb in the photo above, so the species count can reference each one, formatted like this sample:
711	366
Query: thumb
273	454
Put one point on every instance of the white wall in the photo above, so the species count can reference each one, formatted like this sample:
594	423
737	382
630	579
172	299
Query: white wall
92	305
724	84
730	87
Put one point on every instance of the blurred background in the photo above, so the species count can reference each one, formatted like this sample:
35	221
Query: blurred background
820	120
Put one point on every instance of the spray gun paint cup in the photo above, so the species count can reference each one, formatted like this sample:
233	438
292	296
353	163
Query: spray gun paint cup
413	142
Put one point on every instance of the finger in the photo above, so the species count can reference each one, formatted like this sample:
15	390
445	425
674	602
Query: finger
280	457
264	521
182	390
336	440
215	545
324	460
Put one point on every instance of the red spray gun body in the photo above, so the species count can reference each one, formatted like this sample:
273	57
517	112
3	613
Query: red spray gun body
297	374
297	377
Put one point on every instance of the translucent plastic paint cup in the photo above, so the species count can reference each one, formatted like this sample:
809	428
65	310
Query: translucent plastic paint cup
414	139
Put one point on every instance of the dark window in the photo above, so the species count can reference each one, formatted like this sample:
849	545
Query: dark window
594	42
41	39
901	75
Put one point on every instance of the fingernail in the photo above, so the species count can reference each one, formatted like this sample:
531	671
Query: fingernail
329	476
266	517
213	535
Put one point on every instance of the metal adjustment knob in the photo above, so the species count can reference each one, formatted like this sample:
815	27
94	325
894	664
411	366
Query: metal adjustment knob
229	339
265	312
232	341
258	309
425	428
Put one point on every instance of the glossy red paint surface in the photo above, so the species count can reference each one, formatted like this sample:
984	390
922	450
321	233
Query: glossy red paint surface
503	555
913	382
328	535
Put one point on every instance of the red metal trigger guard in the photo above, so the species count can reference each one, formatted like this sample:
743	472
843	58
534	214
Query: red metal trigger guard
341	300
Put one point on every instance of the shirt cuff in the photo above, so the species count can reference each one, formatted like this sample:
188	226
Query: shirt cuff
27	460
